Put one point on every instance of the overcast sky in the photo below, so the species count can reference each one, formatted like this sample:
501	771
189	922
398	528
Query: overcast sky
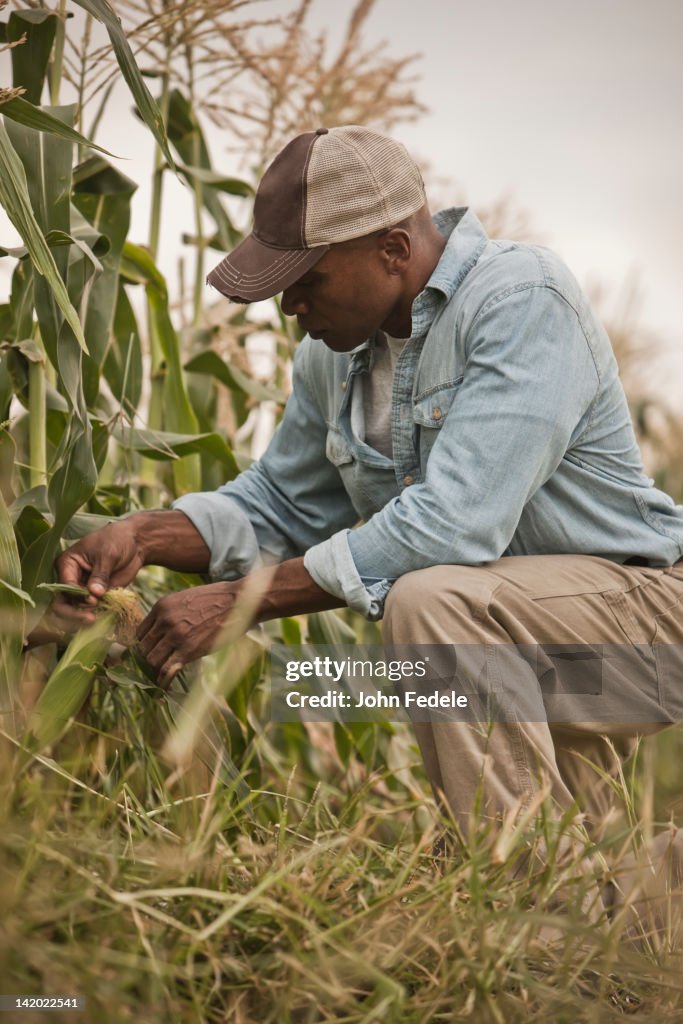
574	110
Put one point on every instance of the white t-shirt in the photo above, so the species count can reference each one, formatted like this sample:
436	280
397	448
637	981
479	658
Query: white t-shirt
377	388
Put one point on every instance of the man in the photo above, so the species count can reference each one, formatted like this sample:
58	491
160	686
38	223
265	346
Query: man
458	396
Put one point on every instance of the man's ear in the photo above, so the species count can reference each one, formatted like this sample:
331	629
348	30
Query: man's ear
395	249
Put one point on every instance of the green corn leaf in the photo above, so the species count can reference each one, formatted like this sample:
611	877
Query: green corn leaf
102	195
70	487
7	444
6	322
220	182
21	300
10	566
90	244
187	138
19	252
62	699
65	588
179	417
84	523
138	267
23	112
18	592
14	198
30	60
55	239
123	357
75	480
35	498
70	682
12	615
164	446
291	631
47	161
209	362
147	107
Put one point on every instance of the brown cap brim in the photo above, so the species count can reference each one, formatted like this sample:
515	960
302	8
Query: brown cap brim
255	271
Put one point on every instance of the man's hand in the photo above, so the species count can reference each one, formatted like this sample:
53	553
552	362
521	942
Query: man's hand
185	626
113	556
110	557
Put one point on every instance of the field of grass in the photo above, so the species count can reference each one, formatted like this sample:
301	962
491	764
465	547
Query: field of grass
319	895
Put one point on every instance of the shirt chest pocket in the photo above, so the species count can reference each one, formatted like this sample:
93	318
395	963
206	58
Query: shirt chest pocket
337	448
430	410
368	487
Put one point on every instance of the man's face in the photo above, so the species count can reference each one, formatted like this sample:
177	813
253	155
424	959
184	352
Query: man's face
346	296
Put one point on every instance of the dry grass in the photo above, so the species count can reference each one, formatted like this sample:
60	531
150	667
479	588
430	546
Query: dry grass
164	898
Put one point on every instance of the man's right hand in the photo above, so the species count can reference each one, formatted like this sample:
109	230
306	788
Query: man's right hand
110	557
113	556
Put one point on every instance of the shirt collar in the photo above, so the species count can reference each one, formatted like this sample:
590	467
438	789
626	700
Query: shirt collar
466	242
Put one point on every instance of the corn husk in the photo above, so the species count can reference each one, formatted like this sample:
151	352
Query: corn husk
69	685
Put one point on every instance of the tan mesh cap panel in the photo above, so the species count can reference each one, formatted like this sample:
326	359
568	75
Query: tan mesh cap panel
358	181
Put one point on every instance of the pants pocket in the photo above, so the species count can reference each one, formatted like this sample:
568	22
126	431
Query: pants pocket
636	690
667	646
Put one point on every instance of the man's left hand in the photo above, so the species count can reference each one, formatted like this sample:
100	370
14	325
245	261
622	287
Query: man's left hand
185	626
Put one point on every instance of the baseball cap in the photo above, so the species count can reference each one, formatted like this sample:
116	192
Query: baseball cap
325	186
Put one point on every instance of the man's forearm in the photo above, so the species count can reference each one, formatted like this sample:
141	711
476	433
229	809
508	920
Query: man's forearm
168	538
188	624
291	590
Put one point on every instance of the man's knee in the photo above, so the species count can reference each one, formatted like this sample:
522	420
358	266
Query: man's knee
414	590
453	593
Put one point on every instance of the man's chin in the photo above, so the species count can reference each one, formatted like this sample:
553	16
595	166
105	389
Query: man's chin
337	342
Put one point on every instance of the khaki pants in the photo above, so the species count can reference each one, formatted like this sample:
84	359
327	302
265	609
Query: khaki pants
542	599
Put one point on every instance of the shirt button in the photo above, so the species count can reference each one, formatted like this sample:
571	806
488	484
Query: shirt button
344	385
436	413
408	480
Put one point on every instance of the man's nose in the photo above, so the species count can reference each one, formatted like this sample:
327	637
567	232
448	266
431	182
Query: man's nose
294	302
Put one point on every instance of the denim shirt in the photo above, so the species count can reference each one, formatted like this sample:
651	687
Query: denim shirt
511	436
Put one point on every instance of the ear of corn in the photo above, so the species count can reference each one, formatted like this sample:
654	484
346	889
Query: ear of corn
69	685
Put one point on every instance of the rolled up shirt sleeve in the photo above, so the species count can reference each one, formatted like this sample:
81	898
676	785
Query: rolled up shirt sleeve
529	383
226	531
284	503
